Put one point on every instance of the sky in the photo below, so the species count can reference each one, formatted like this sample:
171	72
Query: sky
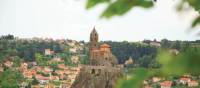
69	19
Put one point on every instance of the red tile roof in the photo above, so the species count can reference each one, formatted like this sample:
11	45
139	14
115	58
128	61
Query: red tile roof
105	45
185	79
166	83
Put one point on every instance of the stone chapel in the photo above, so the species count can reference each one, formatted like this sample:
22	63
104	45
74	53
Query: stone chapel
100	55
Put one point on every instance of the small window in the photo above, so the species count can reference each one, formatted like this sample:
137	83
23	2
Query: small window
106	58
93	71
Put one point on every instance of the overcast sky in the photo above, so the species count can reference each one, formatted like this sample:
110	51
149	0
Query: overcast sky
69	19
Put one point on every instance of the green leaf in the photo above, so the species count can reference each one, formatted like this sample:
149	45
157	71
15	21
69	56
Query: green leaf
196	21
120	7
136	80
195	4
92	3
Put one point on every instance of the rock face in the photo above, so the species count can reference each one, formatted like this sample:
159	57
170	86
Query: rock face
97	77
110	60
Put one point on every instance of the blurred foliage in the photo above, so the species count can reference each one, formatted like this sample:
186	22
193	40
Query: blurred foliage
120	7
187	62
172	66
136	79
196	21
194	4
92	3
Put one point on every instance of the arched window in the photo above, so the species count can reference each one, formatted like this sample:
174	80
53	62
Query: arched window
93	71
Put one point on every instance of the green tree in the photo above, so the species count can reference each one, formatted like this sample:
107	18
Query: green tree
7	37
35	81
176	45
16	61
165	43
40	59
10	79
85	59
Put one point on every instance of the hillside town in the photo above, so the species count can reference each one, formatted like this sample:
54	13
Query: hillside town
58	76
185	81
69	63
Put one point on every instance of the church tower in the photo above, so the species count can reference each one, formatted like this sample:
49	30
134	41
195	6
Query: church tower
93	45
93	39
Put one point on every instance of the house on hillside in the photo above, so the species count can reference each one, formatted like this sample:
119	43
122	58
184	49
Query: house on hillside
129	61
193	83
166	84
48	52
42	80
8	63
156	79
152	43
184	80
1	69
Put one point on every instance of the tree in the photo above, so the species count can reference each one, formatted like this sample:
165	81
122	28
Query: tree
40	59
85	59
165	43
7	37
16	61
10	79
35	81
176	45
185	45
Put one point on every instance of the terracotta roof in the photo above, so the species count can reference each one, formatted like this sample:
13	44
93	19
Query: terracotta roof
61	66
105	45
54	77
193	81
185	79
40	77
166	83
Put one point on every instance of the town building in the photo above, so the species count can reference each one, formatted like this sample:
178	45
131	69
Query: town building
184	80
129	61
193	83
48	52
166	84
156	79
